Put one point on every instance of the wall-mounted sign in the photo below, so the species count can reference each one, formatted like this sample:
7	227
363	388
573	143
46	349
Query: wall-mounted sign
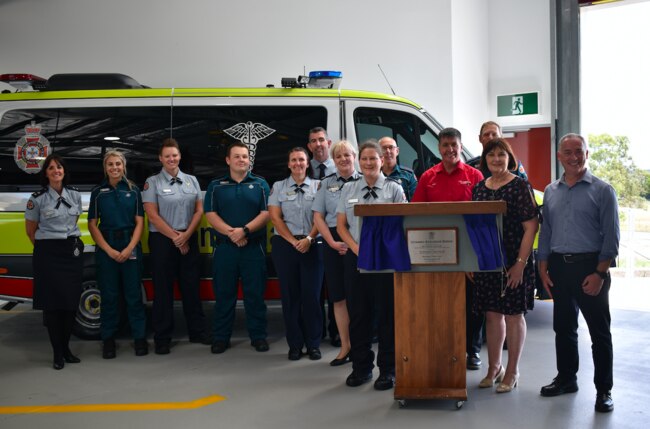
518	104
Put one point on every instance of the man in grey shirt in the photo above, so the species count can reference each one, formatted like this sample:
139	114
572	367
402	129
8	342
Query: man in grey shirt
577	243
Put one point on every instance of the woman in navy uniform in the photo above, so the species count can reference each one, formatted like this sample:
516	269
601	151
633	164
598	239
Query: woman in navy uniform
295	258
115	221
372	188
51	223
173	203
324	207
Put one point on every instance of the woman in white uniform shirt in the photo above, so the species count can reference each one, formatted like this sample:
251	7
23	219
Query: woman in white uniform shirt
372	188
324	207
174	206
51	219
295	256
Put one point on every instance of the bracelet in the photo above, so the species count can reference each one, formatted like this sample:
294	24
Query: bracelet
601	274
523	261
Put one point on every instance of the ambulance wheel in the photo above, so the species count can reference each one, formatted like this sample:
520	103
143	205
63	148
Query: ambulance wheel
87	321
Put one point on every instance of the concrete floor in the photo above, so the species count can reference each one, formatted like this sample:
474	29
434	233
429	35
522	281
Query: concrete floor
266	390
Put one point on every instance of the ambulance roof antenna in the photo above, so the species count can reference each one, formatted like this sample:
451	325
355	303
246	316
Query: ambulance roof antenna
384	74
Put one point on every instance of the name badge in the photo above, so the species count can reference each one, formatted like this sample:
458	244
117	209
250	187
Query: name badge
167	191
224	182
333	188
353	200
104	190
290	193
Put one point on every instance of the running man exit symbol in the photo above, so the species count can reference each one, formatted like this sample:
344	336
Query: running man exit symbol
518	104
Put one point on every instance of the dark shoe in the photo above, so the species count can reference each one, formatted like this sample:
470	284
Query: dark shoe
314	353
338	362
58	363
70	358
161	348
385	382
219	347
473	361
336	341
559	387
260	345
141	347
201	338
604	402
356	379
295	354
108	350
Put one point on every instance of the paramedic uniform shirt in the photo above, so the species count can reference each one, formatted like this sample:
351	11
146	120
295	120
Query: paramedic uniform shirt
176	202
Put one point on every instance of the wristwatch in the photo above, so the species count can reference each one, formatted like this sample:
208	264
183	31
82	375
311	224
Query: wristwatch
246	231
309	239
602	274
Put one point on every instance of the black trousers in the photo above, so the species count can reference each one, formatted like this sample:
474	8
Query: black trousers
365	290
301	278
329	322
167	265
473	322
568	299
59	328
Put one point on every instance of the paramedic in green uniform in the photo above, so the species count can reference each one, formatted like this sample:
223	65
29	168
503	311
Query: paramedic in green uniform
115	221
235	206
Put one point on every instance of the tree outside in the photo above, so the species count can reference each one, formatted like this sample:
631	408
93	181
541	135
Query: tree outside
610	159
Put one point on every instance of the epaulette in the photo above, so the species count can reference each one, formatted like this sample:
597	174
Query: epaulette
329	175
72	188
410	170
393	179
39	193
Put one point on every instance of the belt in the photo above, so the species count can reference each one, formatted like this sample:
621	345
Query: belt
119	234
572	258
299	237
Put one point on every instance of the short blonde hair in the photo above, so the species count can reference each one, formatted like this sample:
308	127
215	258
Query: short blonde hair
342	145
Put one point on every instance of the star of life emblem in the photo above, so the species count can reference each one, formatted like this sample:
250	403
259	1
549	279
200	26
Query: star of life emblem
250	134
31	149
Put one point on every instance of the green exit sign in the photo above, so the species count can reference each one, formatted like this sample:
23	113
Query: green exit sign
518	104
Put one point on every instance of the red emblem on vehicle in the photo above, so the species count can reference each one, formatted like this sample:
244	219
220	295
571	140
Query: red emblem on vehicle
31	149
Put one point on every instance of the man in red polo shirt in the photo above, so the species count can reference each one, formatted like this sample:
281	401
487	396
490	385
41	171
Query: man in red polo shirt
453	180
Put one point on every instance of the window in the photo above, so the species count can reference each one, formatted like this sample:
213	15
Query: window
203	133
418	145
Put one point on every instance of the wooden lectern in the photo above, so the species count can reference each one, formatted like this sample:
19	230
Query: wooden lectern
430	360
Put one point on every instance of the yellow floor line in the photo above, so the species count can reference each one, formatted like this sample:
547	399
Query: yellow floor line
95	408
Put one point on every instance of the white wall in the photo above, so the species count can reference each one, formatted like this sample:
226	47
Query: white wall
520	57
205	43
470	45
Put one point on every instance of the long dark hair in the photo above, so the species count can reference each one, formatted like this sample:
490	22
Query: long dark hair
43	180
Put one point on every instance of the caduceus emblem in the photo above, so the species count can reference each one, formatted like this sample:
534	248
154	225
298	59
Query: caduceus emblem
250	134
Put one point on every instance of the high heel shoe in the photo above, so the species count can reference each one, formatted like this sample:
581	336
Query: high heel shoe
338	362
489	382
505	388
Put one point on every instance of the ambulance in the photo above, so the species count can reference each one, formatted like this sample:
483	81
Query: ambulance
81	116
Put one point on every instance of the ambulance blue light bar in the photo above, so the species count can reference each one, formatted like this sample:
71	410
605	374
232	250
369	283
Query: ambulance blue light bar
325	79
325	73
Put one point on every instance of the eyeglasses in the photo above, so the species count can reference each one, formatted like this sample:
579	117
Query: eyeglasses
390	148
